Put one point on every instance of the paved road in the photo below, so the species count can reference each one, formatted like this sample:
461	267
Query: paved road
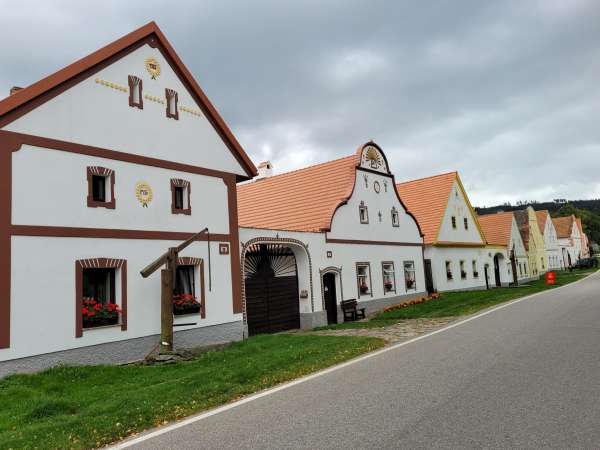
525	376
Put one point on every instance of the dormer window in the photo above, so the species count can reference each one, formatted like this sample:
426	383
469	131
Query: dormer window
454	222
363	213
180	197
466	221
135	92
395	218
172	99
101	187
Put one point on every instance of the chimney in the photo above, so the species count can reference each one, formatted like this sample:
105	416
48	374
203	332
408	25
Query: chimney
15	89
265	170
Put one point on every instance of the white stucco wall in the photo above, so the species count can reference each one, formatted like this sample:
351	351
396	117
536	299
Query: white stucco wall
551	245
50	188
458	207
346	221
344	257
92	114
43	291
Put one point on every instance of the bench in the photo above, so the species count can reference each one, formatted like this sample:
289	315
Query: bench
351	310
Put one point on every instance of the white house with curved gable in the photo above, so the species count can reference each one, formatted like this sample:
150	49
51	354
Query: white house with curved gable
551	244
457	256
322	234
104	165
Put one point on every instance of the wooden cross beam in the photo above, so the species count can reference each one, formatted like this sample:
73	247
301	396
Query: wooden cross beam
167	282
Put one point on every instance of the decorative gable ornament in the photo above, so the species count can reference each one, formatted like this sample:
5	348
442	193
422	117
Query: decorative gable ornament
153	67
143	193
372	158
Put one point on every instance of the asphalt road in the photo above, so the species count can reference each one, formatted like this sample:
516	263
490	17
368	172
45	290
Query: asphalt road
524	376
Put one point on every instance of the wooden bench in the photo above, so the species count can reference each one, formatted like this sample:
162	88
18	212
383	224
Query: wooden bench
351	310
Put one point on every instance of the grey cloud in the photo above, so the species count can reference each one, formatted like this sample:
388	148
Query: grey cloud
504	92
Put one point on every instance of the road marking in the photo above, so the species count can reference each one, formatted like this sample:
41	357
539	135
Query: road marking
201	416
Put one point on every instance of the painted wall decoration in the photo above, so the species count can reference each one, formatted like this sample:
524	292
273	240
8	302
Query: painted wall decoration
153	67
143	193
372	158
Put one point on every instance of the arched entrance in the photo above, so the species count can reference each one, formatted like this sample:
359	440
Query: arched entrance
498	258
271	288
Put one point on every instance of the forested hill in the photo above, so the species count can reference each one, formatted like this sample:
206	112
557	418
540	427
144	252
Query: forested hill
587	210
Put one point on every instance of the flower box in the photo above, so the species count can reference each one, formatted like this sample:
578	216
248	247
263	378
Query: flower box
388	286
449	275
463	275
185	304
410	284
96	314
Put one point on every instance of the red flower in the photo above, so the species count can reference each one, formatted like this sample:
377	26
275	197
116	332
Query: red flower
84	310
91	313
97	306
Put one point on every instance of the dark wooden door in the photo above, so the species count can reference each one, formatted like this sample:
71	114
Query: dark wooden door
513	265
272	303
497	271
428	277
330	295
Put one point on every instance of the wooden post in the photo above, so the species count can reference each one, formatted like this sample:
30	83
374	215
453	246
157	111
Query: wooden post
166	310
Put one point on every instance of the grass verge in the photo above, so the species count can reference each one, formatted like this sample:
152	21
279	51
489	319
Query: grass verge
463	303
90	406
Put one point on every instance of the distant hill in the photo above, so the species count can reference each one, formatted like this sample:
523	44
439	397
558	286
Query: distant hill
587	210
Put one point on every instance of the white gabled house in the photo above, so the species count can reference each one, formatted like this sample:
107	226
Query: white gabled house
105	164
457	256
501	232
551	245
569	239
322	234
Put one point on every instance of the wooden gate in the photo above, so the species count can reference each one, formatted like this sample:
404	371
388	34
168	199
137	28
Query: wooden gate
271	284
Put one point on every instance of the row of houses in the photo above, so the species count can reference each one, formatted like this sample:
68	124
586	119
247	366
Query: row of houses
120	155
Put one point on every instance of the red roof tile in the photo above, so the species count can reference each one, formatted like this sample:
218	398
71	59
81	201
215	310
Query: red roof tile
563	226
301	200
497	227
427	199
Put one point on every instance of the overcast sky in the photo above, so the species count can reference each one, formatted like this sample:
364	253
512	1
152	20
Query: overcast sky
507	93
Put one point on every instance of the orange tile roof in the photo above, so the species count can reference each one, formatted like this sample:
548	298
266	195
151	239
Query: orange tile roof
579	225
541	219
497	227
301	200
10	105
427	199
563	226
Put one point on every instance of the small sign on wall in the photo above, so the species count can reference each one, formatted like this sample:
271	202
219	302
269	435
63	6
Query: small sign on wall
224	248
143	193
329	254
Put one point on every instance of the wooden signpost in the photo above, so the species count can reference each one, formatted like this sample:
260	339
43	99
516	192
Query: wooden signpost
167	284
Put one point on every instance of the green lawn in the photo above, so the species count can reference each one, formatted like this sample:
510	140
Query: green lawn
463	303
90	406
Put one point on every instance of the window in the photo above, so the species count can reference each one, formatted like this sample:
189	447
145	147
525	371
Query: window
475	272
101	293
466	221
395	218
135	92
363	213
463	272
180	197
448	270
410	280
184	282
98	188
172	99
101	187
454	222
389	277
520	269
363	278
99	285
542	260
188	287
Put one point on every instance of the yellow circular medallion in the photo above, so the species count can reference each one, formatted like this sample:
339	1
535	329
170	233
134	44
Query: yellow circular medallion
143	193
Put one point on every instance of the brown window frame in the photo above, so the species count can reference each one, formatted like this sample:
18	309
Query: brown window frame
132	80
383	264
363	207
99	263
370	291
180	183
169	94
199	263
397	216
103	172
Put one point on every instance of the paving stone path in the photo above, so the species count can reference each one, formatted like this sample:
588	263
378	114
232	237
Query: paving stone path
400	331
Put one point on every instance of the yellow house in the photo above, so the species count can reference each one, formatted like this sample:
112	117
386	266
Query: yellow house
533	240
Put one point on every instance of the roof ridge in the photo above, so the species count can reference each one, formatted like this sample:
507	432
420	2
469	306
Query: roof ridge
313	166
431	176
